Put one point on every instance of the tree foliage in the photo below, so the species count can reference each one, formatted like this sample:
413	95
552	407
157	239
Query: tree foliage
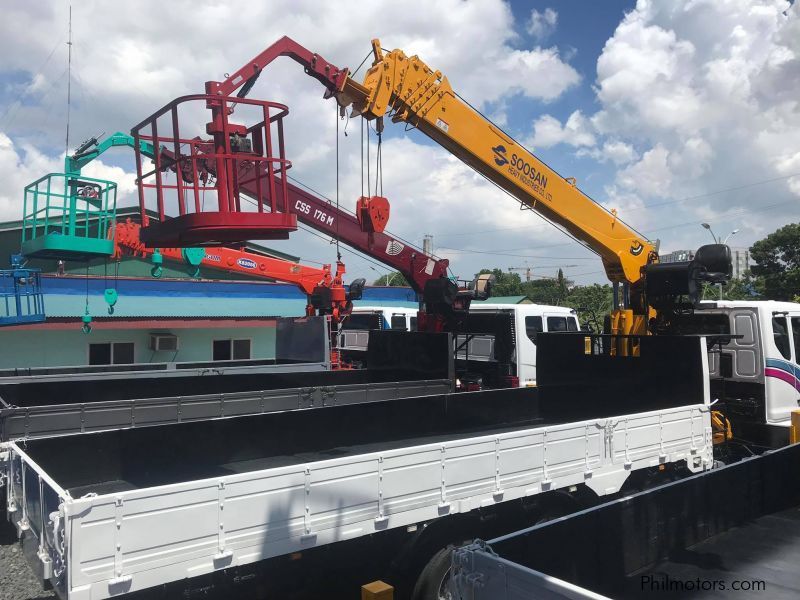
394	279
592	302
542	291
777	268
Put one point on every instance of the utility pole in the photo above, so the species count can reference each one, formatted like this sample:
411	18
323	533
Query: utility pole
427	244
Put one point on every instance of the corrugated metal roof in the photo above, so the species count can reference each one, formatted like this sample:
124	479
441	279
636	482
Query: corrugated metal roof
506	300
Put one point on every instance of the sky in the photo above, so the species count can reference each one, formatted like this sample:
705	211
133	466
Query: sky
673	113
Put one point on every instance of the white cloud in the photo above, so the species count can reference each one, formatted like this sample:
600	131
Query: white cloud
650	176
618	152
694	96
541	25
23	164
709	92
548	131
116	85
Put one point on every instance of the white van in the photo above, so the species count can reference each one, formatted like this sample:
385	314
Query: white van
511	348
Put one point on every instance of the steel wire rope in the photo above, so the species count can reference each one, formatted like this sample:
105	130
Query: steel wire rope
338	252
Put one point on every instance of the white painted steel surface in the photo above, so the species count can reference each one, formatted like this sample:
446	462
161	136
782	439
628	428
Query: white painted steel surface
133	540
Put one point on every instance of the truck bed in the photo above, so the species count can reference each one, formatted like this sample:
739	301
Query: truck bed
766	549
700	537
119	511
184	500
34	407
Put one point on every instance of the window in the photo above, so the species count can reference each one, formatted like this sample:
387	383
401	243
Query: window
533	325
362	321
399	322
572	324
556	323
706	324
111	353
796	333
231	350
780	333
413	323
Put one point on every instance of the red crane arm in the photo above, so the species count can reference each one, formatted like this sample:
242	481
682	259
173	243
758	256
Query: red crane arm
314	65
416	266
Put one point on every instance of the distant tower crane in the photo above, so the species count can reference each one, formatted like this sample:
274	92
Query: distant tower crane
526	269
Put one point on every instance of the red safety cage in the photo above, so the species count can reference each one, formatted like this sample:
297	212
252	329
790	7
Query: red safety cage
193	178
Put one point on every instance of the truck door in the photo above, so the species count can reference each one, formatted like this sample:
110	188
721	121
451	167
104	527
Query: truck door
745	352
782	370
526	348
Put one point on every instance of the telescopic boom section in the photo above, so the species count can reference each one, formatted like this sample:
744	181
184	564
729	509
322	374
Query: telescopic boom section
310	280
410	91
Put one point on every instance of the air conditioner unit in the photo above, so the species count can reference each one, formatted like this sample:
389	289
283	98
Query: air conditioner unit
163	342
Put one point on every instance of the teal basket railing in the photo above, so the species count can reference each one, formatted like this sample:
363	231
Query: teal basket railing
21	296
68	217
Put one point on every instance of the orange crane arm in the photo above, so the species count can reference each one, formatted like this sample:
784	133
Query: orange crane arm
308	279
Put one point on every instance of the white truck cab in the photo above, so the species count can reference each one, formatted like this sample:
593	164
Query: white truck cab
527	320
500	350
356	327
757	374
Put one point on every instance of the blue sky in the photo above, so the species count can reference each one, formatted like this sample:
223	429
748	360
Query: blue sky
674	113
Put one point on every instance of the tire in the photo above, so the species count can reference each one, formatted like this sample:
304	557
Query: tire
433	579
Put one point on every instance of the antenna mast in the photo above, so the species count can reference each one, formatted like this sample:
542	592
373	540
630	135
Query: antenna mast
69	77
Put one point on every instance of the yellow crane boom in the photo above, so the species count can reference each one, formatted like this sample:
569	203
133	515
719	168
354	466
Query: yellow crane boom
410	91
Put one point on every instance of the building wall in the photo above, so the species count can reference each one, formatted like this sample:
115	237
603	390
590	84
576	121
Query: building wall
741	263
49	348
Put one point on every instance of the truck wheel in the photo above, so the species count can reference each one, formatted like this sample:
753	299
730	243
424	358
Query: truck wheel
434	580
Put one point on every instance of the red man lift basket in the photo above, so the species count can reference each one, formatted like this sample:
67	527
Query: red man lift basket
192	178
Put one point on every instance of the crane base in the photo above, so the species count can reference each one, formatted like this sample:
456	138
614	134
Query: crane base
216	228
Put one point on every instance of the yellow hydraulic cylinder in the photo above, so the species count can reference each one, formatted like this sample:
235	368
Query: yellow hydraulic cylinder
794	430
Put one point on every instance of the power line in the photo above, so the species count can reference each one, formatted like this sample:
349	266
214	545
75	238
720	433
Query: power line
725	215
654	205
493	253
715	193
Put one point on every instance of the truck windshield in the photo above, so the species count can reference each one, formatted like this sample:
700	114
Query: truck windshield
362	321
399	322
